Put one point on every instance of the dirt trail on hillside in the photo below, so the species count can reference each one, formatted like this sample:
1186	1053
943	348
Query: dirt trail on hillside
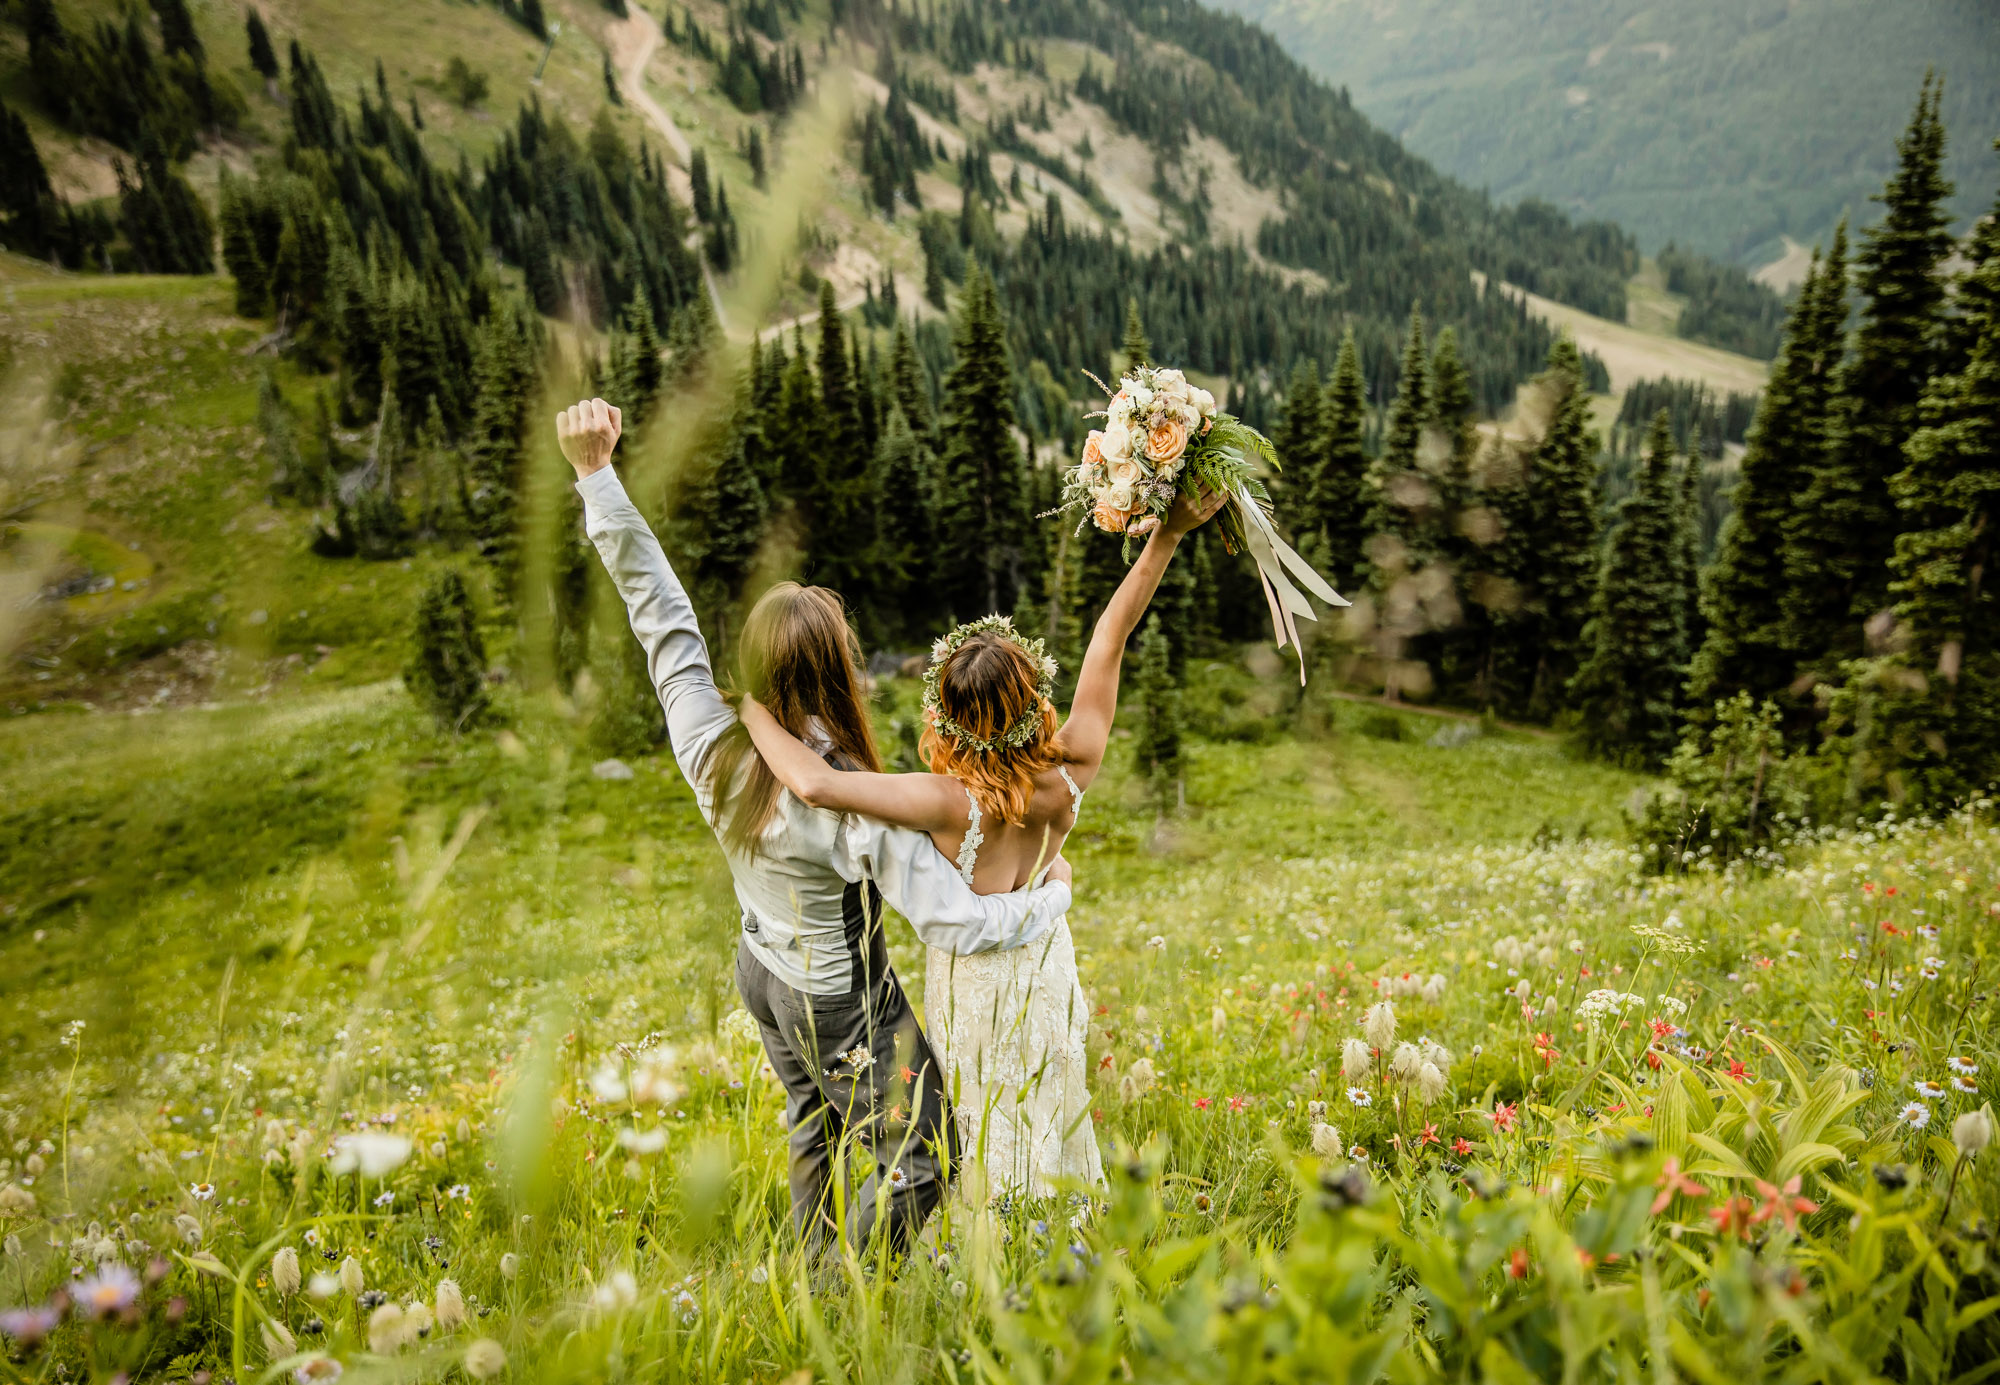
634	40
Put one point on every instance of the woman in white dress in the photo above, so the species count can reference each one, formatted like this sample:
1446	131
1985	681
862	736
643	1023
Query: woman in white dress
1005	788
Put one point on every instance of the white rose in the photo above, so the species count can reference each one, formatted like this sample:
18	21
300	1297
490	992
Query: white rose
1142	398
1121	495
1202	400
1170	383
1117	441
1125	470
1121	408
1188	414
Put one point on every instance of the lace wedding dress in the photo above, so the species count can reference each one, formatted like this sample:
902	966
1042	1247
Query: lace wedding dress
1008	1029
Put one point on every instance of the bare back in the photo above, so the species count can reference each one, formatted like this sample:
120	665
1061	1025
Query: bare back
1005	857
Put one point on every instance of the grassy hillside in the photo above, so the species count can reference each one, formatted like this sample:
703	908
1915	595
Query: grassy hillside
1723	125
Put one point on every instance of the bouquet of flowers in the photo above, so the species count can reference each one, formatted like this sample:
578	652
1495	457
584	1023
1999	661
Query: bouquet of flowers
1163	436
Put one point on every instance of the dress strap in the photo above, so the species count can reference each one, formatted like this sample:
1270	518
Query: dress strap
968	850
1075	795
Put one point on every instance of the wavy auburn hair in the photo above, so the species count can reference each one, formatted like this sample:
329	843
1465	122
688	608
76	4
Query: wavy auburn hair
799	657
986	685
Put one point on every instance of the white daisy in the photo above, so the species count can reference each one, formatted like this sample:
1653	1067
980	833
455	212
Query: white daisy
1916	1115
1958	1062
1358	1097
1929	1088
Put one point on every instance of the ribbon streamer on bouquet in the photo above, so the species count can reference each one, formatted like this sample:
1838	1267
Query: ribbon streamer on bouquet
1274	557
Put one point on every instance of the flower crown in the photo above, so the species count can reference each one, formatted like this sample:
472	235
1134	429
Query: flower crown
1023	729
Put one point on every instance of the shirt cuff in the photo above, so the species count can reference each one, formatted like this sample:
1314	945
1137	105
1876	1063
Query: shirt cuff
600	485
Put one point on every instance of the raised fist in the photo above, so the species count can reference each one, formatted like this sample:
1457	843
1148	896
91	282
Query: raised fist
587	432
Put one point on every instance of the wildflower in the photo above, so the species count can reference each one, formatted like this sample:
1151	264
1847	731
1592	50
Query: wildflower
1202	1103
1325	1140
351	1278
1972	1132
1403	1066
1461	1146
1203	1203
1738	1071
1430	1136
374	1154
320	1370
1674	1183
1238	1105
1431	1083
417	1320
1916	1115
278	1339
1928	1089
27	1326
1316	1110
1964	1086
1784	1203
385	1198
1354	1060
1378	1024
1357	1154
1504	1117
1157	943
107	1293
458	1191
898	1180
644	1142
312	1236
1517	1263
450	1306
385	1329
285	1271
201	1192
1959	1063
619	1290
1732	1217
510	1266
1356	1096
485	1359
15	1198
1929	973
1546	1050
189	1229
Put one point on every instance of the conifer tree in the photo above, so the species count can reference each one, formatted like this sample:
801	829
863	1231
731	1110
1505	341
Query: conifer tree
240	253
1624	693
1453	541
1745	646
177	33
1926	718
1402	500
1843	530
648	372
1452	410
281	441
1137	347
842	533
503	383
263	58
165	222
1156	742
611	91
1687	549
1557	546
906	484
985	476
701	196
1300	436
906	384
447	668
1333	513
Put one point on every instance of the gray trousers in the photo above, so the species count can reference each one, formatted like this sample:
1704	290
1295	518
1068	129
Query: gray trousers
860	1083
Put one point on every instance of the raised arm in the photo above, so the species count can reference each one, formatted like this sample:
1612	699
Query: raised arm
922	886
662	616
921	802
1084	736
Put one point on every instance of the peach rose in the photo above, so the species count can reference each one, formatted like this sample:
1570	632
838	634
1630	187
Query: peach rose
1109	518
1093	449
1166	439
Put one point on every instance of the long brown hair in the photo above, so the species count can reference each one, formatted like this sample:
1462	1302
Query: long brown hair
986	685
799	657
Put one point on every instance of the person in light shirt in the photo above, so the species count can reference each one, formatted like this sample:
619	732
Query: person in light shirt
812	961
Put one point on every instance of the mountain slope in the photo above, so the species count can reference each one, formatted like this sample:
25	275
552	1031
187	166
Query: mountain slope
1722	124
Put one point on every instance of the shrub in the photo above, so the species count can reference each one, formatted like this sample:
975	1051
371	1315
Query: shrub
447	669
1732	790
